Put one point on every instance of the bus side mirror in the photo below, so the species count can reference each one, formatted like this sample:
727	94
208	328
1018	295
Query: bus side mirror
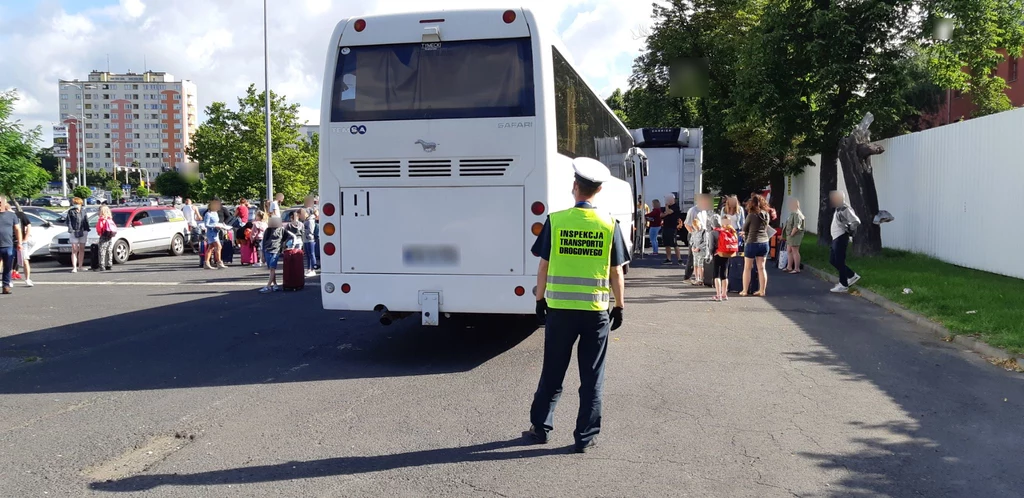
643	167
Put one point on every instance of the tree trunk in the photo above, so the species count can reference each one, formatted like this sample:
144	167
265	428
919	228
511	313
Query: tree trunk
828	180
855	158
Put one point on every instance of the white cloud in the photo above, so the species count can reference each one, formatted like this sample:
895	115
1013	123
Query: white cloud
134	8
219	45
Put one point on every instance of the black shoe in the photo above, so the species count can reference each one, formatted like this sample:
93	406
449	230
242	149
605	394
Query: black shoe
109	268
589	445
667	262
534	437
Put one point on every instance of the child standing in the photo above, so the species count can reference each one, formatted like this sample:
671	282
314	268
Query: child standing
727	246
697	246
309	241
259	227
272	242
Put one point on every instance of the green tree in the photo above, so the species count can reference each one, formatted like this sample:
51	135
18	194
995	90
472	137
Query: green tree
967	59
82	192
142	192
20	175
50	163
230	150
173	183
116	193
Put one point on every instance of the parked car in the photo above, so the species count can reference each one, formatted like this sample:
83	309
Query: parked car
42	233
46	214
140	230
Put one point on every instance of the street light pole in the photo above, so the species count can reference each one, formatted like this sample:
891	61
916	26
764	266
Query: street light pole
266	85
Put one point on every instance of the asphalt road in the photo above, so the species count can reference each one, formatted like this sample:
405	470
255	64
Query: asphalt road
161	379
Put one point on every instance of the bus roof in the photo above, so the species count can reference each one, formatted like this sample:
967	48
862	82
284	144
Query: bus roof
451	24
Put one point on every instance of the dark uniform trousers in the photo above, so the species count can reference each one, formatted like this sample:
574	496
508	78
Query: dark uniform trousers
561	331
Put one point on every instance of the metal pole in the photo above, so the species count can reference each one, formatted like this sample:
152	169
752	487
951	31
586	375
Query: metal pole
266	86
63	177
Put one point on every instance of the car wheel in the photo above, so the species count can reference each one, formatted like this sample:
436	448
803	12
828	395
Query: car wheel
177	245
121	252
64	260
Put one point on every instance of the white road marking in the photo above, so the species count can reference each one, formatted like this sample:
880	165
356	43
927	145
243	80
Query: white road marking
160	284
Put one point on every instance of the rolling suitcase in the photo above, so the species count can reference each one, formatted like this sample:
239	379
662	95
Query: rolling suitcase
709	273
94	257
248	254
294	270
227	251
736	275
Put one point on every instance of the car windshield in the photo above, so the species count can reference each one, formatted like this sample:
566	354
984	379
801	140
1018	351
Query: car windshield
46	214
121	218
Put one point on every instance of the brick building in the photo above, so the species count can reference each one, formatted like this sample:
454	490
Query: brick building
117	119
957	106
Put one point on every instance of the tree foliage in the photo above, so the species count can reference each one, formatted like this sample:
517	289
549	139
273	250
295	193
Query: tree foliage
82	192
230	150
791	78
965	61
20	175
175	184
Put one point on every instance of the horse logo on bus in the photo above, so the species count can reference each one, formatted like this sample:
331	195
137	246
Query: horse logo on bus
427	146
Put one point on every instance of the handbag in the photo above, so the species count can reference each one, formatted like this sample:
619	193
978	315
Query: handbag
772	232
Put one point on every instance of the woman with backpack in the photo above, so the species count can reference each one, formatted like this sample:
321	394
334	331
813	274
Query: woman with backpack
106	229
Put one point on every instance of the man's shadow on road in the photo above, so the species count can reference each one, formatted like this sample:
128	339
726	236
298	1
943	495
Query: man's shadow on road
485	452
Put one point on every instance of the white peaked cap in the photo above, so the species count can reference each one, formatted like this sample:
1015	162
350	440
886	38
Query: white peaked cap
591	170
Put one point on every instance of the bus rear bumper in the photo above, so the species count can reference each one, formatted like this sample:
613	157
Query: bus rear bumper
481	294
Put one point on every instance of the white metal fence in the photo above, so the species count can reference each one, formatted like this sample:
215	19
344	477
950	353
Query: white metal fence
956	192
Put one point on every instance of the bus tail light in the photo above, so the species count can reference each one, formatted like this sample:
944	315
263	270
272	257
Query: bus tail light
329	229
509	17
537	208
345	288
520	291
360	25
329	249
328	209
537	228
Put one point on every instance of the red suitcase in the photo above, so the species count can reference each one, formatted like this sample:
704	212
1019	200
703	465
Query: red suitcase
248	254
294	271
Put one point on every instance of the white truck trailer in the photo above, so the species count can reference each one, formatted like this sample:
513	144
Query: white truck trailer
674	158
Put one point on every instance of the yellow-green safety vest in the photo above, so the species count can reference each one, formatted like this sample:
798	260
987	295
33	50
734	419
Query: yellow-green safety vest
581	244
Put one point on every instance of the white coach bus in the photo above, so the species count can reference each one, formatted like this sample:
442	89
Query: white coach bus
449	138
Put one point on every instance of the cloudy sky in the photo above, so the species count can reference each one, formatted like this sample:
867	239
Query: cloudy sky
218	44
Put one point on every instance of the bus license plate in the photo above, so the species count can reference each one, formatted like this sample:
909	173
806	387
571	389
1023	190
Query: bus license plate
430	256
64	249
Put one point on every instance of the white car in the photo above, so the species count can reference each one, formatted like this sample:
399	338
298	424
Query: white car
139	230
41	233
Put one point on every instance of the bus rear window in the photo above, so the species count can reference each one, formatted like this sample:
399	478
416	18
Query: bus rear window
446	80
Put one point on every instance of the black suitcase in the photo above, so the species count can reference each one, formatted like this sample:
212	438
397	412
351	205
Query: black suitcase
709	273
736	275
227	252
94	257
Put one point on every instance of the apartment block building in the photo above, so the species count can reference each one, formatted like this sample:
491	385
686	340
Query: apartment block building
116	119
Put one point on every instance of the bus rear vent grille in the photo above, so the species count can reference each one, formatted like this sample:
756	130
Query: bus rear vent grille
484	167
377	169
426	168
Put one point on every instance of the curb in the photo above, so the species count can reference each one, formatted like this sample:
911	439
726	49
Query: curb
934	327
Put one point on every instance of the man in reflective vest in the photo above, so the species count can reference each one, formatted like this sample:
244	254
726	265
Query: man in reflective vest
582	252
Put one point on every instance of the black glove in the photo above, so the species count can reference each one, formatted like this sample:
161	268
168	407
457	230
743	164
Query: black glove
542	311
616	316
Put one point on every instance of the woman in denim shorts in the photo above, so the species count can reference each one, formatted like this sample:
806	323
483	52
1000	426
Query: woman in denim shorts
755	250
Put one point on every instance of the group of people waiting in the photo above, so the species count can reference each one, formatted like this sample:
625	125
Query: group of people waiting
261	234
747	230
716	237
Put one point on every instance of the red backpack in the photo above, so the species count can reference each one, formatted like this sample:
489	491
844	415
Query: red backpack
728	241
